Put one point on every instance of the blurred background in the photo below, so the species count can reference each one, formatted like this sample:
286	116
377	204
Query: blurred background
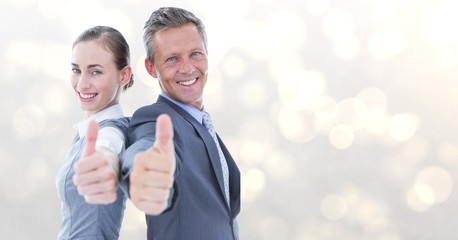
339	113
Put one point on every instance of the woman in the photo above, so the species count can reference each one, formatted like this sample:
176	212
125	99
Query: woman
92	204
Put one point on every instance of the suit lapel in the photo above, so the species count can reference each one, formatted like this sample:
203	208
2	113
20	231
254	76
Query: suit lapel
234	180
208	140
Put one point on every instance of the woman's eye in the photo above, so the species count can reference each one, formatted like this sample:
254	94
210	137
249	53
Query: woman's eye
96	73
76	70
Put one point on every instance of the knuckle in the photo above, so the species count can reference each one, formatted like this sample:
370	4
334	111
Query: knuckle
134	177
111	186
75	179
165	197
76	167
155	209
109	174
133	194
102	159
169	180
80	191
140	158
111	198
112	183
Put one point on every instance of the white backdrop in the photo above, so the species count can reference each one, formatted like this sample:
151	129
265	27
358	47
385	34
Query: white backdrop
341	114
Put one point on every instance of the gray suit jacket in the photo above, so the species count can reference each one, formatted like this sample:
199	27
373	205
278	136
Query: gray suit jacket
197	207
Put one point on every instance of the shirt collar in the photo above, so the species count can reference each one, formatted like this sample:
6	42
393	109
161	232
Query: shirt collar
194	112
112	112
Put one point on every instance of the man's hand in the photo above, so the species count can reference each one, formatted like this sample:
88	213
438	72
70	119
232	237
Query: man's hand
94	176
152	175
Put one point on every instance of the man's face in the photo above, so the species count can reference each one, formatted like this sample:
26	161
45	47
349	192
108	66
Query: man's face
180	64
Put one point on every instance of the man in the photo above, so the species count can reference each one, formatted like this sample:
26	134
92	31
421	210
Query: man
184	179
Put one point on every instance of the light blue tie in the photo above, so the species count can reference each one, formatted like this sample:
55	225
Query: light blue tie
207	122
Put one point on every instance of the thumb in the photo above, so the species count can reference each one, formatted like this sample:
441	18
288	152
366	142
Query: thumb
164	132
91	138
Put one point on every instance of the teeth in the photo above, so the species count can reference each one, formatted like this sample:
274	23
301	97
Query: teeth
86	96
187	83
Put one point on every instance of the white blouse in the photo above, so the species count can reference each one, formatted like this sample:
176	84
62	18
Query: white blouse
109	137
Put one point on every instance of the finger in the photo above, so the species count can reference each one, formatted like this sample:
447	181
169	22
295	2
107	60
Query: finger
150	200
99	187
164	133
152	179
149	194
91	138
151	208
91	177
154	161
90	163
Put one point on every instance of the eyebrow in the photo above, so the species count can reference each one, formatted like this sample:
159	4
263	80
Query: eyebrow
95	65
90	66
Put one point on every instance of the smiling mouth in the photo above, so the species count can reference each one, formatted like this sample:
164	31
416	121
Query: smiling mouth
188	83
87	96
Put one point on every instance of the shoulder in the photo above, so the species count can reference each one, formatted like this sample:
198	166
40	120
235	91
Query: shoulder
151	112
143	121
119	123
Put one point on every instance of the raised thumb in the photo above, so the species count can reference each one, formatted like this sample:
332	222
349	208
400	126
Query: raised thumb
91	138
164	132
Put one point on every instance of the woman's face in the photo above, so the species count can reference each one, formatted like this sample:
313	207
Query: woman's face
94	77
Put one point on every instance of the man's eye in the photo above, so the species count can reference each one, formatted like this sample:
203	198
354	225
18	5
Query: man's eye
196	54
170	59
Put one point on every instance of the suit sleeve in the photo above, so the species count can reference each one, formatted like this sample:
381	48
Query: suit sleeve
140	137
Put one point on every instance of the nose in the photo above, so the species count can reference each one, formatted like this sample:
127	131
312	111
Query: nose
187	66
83	82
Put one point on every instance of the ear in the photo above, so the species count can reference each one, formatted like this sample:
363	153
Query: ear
150	68
126	74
